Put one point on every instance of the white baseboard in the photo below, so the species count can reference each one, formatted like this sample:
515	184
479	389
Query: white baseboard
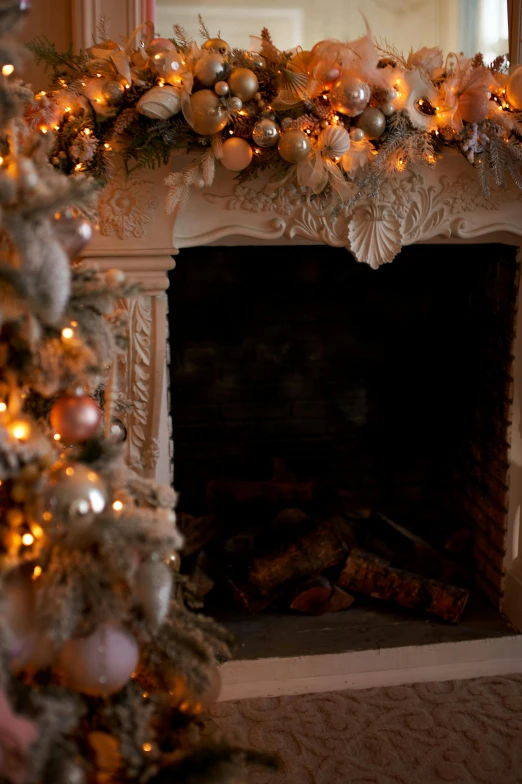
367	669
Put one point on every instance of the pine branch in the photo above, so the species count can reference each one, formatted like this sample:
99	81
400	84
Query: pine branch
45	51
203	29
182	38
265	36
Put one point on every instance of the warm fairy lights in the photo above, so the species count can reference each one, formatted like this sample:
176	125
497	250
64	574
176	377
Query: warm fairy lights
37	571
117	506
7	70
20	430
147	747
27	540
67	333
3	407
57	436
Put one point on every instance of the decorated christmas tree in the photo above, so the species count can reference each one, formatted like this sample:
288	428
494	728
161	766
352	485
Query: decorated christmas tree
104	672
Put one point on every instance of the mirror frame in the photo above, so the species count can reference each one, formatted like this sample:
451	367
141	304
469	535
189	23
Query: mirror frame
126	15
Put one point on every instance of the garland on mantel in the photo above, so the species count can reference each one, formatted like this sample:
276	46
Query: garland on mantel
337	120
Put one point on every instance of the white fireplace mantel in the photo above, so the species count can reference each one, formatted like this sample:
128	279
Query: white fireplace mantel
438	205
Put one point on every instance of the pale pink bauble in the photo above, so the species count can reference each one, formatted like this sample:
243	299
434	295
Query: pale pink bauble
101	664
474	105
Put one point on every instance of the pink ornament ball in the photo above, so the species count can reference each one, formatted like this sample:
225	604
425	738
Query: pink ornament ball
101	664
474	105
76	418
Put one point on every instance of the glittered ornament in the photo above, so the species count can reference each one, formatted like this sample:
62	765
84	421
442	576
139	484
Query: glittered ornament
221	89
243	83
113	92
514	89
74	495
209	69
334	141
474	105
160	103
208	115
349	95
217	45
237	154
101	664
169	65
76	418
153	588
372	122
294	146
265	133
160	45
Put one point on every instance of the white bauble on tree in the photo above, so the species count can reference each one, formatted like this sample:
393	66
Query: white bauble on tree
334	141
160	103
101	664
153	586
237	154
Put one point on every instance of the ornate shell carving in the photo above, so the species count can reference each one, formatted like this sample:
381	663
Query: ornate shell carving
374	233
334	141
160	103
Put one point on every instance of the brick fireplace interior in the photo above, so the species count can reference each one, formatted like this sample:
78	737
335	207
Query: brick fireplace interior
389	391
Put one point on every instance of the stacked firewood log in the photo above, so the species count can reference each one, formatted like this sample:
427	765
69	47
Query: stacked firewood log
289	544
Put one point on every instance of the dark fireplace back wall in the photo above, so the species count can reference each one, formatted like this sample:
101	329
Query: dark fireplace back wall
376	381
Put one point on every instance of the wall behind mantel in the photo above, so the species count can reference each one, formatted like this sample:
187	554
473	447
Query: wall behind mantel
53	19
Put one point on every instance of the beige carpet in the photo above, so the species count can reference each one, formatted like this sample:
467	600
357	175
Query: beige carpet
458	732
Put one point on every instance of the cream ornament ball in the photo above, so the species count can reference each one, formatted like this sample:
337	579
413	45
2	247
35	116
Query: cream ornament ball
160	45
350	95
514	89
160	103
356	135
237	154
74	495
221	89
372	122
235	103
265	133
169	65
334	141
101	664
208	115
243	83
387	108
294	146
209	69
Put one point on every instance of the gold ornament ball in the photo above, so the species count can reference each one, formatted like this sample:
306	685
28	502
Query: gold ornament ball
356	135
101	664
235	103
243	83
237	154
349	95
514	89
217	44
209	69
294	146
372	122
76	418
209	117
115	276
265	133
387	108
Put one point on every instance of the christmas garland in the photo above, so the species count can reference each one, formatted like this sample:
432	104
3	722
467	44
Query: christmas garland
338	119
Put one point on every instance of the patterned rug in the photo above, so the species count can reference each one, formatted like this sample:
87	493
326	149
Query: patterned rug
457	732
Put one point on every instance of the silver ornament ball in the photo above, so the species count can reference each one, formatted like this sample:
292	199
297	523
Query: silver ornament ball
216	45
235	104
372	122
74	495
265	133
387	109
349	95
221	89
209	69
356	135
113	92
243	83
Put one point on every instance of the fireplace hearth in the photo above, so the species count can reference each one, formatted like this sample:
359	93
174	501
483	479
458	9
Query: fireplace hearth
323	411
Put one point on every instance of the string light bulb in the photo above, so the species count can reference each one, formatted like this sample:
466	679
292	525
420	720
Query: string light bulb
3	407
67	332
147	746
20	430
27	539
57	436
44	128
117	506
37	572
8	69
